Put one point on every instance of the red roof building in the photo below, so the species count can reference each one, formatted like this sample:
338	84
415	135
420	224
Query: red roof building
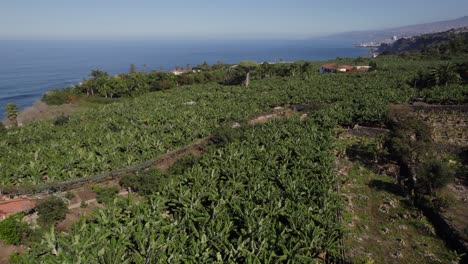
333	68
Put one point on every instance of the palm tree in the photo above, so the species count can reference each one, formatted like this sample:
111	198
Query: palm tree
96	74
12	113
444	75
247	66
132	69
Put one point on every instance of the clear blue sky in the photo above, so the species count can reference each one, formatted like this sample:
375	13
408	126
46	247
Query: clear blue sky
147	19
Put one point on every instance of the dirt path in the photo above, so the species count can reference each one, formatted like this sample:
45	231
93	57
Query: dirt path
170	158
277	112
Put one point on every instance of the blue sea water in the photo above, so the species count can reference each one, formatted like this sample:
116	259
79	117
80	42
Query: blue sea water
30	68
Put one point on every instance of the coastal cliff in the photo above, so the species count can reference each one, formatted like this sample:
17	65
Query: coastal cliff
454	40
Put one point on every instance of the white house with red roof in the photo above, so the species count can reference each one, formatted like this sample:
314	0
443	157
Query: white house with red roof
334	68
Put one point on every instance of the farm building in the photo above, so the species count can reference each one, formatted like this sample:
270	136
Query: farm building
334	68
179	72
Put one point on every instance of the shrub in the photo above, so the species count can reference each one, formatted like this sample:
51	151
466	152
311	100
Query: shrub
162	85
445	94
462	170
373	66
463	156
3	129
182	164
12	229
433	175
35	235
12	111
16	258
105	195
130	181
51	210
410	143
410	138
145	183
56	97
443	200
69	195
441	75
235	76
225	135
61	120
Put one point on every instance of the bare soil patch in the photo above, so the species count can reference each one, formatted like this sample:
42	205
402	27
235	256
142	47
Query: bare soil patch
7	250
82	194
13	206
277	112
76	214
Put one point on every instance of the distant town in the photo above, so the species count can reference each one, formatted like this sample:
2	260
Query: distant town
376	44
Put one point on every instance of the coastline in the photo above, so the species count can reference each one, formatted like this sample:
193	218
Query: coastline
36	70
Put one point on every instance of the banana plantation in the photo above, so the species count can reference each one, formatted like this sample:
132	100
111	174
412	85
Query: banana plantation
268	195
136	129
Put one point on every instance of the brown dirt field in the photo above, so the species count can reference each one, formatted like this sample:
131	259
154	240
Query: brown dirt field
75	214
7	250
13	206
82	194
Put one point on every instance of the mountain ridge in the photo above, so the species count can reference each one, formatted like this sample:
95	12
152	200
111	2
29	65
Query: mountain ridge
409	30
450	41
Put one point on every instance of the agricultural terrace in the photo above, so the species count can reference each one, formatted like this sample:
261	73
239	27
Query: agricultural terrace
264	193
133	130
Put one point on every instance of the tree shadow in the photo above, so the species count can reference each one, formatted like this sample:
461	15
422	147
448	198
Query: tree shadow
386	186
361	154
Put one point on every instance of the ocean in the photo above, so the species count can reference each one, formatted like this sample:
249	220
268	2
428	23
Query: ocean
28	69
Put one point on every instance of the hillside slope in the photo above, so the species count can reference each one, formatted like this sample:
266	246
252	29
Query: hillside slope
454	40
410	30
